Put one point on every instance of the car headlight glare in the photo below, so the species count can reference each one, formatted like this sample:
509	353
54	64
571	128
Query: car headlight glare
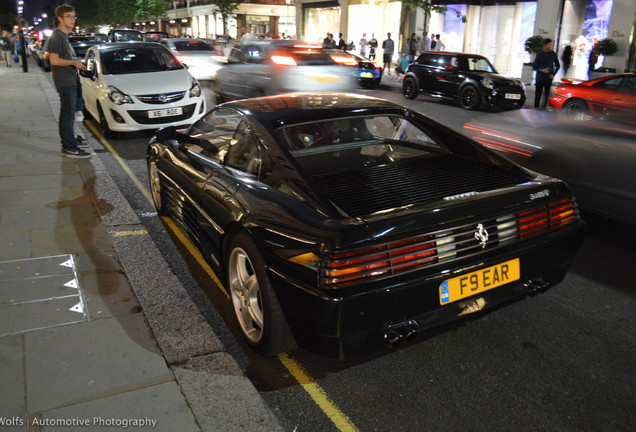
117	96
195	90
488	83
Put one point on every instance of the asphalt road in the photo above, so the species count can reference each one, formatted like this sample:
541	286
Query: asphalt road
563	360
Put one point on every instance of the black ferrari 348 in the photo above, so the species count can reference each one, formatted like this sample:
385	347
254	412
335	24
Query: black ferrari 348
339	222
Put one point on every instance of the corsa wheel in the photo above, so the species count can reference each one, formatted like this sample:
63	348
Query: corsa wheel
103	124
255	304
575	109
409	88
469	98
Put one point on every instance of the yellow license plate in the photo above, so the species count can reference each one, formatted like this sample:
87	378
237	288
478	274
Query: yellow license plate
478	281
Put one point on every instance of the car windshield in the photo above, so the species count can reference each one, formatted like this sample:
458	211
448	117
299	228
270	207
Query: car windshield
480	64
368	137
192	46
125	36
136	59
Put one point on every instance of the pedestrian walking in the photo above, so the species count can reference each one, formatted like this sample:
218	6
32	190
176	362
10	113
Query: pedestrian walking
6	43
546	64
64	68
388	47
566	58
592	59
373	45
342	45
412	47
363	45
425	43
439	45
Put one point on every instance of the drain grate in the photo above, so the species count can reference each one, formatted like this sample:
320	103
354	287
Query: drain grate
37	293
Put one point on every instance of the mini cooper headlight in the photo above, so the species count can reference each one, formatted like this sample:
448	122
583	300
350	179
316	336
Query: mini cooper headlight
195	90
488	83
117	96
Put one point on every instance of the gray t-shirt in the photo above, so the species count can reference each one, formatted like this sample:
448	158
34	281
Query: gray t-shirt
63	76
388	46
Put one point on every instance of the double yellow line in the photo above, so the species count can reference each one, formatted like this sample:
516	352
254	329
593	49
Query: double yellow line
317	394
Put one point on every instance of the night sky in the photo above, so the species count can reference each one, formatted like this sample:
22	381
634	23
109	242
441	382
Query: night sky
34	8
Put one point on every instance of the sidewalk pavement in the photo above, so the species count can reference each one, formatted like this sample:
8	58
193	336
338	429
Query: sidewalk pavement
87	342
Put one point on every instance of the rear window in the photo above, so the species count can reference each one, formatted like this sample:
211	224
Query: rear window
356	142
302	55
192	46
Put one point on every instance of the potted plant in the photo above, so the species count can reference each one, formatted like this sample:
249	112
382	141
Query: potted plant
606	47
533	45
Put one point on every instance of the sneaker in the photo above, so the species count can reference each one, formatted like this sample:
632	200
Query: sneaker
75	154
81	142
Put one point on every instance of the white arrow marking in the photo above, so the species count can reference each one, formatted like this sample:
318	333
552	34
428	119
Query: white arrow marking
77	308
71	284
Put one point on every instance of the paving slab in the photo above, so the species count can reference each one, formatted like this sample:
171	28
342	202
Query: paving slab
12	360
159	408
53	241
43	197
91	360
15	244
107	295
58	214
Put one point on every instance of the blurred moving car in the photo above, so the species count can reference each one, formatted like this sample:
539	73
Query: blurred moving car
341	222
611	97
259	68
469	79
202	60
595	158
130	87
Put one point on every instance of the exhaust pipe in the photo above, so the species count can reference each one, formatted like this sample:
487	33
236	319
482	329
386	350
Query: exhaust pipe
395	334
536	286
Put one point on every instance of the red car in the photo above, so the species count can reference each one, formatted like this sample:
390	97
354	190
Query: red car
612	96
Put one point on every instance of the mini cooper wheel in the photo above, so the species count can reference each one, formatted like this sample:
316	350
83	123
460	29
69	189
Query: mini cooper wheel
575	109
257	309
469	98
409	88
155	184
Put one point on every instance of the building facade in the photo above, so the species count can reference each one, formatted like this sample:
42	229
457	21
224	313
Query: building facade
495	29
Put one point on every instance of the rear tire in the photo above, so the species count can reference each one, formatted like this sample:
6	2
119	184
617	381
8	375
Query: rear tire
155	184
256	306
409	88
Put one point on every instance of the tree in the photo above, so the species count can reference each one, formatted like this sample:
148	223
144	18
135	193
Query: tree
226	8
148	10
8	14
88	12
428	8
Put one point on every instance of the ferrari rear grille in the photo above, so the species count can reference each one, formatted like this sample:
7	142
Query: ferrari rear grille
162	98
444	246
412	182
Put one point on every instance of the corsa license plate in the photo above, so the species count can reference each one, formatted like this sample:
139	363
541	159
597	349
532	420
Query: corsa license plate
478	281
168	112
513	96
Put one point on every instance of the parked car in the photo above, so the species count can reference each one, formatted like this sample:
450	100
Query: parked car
259	68
367	72
125	35
202	60
155	36
341	222
80	48
136	86
469	79
97	37
612	97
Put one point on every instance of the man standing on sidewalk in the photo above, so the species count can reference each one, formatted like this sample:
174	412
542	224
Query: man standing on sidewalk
387	54
64	66
547	65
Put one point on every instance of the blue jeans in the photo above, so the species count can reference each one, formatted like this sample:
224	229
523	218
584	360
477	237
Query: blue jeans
68	102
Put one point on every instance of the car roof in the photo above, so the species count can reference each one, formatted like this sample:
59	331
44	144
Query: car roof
293	108
128	44
454	53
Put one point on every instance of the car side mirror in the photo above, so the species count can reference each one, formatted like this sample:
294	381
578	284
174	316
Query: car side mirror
87	73
166	134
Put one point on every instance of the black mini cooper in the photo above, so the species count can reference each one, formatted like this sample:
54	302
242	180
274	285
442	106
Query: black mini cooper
469	79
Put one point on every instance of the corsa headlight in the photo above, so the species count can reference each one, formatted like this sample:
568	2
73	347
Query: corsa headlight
488	83
195	90
117	96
